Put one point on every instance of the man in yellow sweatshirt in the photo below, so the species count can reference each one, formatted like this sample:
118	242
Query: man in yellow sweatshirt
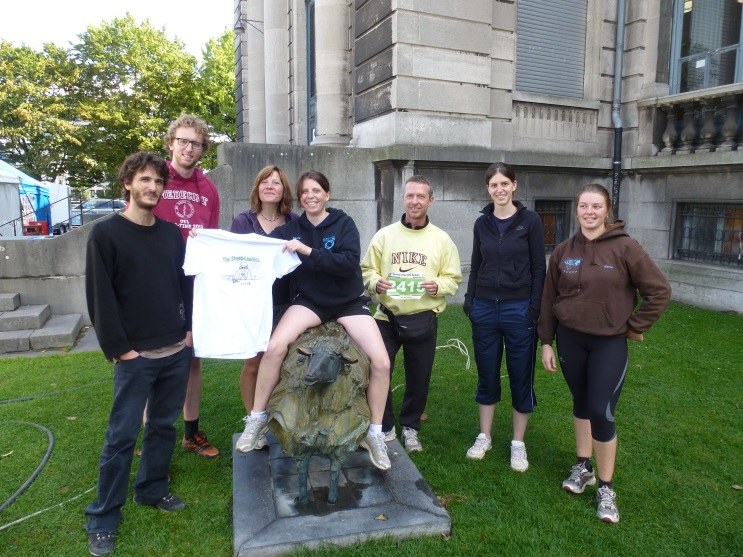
411	266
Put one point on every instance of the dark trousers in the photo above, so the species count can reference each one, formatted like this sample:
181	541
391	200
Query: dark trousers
162	381
418	362
594	368
499	324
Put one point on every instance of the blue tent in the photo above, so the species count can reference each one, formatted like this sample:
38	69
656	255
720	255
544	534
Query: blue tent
32	190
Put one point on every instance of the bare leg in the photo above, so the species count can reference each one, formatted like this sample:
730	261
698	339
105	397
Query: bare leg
293	323
248	378
364	331
583	441
519	425
606	455
487	412
192	404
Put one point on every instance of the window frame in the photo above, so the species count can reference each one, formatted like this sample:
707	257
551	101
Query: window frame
677	60
566	225
720	245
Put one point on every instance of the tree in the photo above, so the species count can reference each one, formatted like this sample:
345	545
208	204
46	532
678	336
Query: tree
216	91
38	128
133	82
80	112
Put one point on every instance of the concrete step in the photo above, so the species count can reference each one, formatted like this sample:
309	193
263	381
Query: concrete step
60	331
24	317
15	341
10	301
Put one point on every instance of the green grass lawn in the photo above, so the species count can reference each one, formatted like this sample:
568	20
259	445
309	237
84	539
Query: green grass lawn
680	457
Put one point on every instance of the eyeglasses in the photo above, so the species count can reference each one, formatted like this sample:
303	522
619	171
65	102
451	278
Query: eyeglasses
197	146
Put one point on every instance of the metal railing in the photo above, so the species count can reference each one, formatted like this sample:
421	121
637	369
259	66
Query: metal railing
710	233
555	215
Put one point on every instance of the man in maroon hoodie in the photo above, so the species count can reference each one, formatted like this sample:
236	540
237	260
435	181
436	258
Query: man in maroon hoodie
190	201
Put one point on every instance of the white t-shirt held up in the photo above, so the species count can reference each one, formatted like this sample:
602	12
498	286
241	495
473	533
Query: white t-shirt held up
232	305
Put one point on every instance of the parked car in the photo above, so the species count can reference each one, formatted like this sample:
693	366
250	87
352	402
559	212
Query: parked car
94	208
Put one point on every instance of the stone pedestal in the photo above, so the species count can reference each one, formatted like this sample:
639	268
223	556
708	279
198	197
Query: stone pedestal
371	504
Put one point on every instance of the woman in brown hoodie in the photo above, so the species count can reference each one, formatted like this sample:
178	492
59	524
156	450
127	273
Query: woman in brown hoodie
589	306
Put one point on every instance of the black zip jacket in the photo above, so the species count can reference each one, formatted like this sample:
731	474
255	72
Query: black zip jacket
331	275
508	267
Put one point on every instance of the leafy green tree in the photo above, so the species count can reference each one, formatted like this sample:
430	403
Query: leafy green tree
133	82
216	91
39	132
80	112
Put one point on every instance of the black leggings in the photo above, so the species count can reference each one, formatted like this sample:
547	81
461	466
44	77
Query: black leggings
594	368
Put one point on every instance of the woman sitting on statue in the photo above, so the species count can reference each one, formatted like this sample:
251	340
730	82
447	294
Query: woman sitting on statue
327	285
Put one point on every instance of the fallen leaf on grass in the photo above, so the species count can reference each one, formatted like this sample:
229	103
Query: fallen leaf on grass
71	418
6	454
737	487
449	498
381	517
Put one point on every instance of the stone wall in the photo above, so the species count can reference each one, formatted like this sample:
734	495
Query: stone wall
367	184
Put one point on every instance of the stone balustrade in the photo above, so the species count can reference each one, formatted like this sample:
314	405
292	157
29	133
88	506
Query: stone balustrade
703	121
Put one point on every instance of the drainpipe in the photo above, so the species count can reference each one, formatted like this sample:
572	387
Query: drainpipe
616	103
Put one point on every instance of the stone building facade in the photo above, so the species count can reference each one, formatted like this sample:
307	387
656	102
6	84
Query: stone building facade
372	91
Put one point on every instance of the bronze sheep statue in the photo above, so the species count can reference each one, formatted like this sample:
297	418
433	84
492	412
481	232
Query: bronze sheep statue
319	405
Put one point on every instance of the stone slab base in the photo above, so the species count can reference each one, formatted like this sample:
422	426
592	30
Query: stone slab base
268	521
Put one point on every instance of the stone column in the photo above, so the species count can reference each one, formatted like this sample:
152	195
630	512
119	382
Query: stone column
276	65
241	72
256	72
332	71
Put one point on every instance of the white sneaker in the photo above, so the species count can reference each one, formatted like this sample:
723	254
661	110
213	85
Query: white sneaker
377	450
255	428
410	439
481	446
262	442
606	505
518	456
390	435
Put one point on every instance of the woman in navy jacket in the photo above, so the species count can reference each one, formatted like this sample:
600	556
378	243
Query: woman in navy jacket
327	285
502	301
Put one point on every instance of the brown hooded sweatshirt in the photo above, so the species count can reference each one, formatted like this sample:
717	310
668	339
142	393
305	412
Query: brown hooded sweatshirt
592	286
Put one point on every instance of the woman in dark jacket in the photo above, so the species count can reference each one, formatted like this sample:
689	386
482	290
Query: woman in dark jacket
327	285
502	301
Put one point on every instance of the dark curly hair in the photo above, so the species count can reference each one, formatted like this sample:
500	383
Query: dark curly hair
138	162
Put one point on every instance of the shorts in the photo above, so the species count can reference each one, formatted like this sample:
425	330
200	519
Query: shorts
359	306
278	312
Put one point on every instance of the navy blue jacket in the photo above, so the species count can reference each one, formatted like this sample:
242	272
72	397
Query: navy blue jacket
331	275
508	267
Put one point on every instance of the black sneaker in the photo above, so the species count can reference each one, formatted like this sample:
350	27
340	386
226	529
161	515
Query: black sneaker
170	503
101	543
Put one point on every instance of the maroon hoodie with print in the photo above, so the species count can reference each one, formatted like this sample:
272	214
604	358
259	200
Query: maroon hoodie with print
592	286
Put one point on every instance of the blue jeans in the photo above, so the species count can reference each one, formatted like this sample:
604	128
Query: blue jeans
163	381
495	325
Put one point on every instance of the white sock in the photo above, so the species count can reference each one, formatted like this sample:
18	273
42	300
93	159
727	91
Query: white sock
259	415
375	429
515	443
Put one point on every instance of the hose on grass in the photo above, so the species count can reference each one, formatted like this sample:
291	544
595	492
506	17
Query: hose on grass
51	393
36	472
459	346
36	513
